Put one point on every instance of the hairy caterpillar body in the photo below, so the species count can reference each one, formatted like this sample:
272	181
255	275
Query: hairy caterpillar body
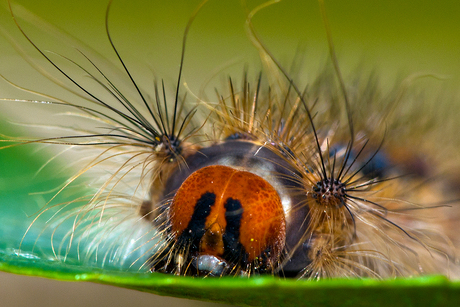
316	180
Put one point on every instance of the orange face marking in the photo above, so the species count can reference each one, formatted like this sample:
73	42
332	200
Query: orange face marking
246	207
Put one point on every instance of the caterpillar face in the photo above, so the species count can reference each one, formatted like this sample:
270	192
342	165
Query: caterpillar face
231	215
269	176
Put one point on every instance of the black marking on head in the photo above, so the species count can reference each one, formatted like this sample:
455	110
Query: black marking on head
196	229
233	249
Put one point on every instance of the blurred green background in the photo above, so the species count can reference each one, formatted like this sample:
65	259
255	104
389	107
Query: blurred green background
391	37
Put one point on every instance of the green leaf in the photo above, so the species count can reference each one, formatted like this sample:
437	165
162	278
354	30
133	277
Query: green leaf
267	291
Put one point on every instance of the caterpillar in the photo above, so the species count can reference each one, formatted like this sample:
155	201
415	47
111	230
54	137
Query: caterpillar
269	175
